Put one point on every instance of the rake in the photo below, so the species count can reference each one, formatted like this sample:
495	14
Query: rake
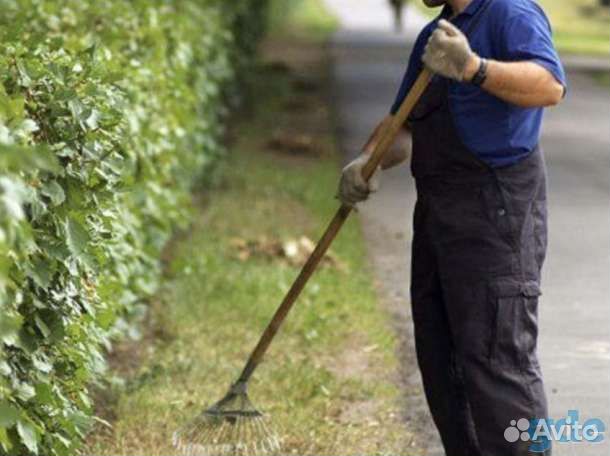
233	426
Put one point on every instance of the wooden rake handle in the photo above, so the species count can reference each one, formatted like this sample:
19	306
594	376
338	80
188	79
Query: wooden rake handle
387	139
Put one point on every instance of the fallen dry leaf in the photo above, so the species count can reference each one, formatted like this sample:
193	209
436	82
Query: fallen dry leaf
294	252
306	85
292	142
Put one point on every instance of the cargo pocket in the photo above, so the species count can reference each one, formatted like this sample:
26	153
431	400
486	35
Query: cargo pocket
515	322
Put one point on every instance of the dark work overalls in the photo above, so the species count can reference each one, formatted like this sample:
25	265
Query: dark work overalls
478	247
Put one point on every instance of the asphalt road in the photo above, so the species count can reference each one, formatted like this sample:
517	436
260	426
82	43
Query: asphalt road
575	310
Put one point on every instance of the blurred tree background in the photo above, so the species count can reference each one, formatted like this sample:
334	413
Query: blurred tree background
294	14
580	26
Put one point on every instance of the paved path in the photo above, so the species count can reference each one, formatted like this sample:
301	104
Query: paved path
575	332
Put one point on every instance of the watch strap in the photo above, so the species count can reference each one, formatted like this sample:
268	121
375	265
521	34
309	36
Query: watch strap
481	75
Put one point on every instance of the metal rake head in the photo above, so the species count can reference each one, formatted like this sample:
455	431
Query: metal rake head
232	427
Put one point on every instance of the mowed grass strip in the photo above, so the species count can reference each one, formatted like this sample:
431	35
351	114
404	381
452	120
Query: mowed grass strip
329	380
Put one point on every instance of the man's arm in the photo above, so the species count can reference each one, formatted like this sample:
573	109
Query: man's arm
398	153
377	134
525	84
352	187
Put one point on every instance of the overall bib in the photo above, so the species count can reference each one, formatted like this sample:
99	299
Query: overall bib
478	247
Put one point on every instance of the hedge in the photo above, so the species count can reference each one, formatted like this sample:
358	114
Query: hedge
110	111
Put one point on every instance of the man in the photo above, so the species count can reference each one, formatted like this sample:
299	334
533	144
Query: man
397	7
480	218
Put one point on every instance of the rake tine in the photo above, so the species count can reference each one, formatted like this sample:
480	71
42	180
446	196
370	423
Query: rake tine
231	427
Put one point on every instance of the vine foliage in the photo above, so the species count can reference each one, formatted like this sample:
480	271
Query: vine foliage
110	111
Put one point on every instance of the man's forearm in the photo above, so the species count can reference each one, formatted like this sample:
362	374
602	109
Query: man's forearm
398	152
525	84
375	138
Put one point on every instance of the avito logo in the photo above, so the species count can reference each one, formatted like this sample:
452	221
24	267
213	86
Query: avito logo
542	432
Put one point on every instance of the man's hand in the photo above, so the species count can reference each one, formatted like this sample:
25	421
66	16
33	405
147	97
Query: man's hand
353	188
448	53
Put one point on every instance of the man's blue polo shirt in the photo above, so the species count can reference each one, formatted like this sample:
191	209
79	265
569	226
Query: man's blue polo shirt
510	30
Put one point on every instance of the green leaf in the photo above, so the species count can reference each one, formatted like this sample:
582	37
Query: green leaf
8	415
44	394
5	368
24	77
80	421
28	435
62	440
93	119
42	326
54	191
29	126
17	105
42	365
10	324
5	440
27	341
14	196
77	238
106	318
25	392
11	108
26	158
55	325
41	271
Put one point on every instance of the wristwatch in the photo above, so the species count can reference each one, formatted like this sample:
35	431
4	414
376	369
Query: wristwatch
481	75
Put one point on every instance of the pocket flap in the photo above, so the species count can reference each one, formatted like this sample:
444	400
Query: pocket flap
509	287
531	289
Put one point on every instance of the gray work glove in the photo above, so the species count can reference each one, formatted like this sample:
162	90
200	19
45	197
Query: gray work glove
448	52
352	187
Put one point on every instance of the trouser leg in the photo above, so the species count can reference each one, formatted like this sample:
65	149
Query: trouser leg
489	268
501	376
442	376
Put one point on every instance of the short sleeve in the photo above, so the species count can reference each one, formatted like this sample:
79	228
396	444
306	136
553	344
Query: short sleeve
529	37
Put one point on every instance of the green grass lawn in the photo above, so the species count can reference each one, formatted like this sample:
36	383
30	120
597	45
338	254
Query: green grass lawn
329	380
579	26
